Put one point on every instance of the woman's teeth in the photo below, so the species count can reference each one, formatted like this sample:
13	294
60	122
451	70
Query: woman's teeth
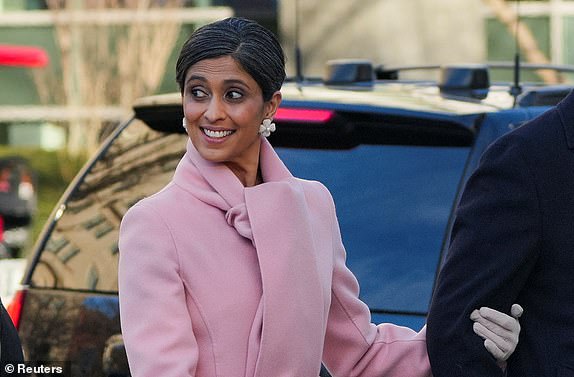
216	134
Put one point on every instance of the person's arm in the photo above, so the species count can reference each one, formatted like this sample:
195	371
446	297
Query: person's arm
356	347
10	347
494	246
155	321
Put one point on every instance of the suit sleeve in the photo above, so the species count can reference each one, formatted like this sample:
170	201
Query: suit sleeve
156	324
356	347
494	245
10	347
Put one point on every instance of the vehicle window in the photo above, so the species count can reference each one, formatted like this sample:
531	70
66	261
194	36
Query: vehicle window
393	204
81	251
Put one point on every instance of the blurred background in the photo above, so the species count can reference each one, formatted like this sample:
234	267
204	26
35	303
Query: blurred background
70	70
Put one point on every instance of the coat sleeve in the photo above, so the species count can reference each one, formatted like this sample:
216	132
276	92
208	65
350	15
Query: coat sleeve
10	347
356	347
494	245
155	321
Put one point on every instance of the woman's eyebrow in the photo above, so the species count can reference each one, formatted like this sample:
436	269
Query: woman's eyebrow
235	81
195	77
238	82
226	82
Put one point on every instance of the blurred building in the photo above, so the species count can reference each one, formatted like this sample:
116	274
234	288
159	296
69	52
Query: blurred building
415	32
26	117
264	11
392	33
388	32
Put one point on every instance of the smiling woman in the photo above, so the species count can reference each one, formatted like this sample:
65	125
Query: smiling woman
246	259
224	108
229	88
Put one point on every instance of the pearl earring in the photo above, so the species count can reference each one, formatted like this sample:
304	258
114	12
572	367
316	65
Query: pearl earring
184	124
266	127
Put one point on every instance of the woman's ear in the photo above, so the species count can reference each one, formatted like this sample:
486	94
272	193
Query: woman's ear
272	105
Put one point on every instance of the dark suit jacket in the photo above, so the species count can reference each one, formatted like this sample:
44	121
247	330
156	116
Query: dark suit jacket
11	350
513	241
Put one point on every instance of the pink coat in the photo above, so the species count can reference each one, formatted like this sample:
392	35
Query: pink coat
217	279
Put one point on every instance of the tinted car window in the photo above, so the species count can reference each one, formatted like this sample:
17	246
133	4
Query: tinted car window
393	204
81	251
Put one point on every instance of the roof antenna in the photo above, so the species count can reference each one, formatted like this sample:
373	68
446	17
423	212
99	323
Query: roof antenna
516	89
298	57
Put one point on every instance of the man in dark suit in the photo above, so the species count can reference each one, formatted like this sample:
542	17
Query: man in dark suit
10	348
513	241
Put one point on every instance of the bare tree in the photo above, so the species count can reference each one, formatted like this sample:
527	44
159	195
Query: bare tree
505	14
104	62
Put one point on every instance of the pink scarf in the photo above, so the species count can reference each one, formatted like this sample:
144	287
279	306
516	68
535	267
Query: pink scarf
274	215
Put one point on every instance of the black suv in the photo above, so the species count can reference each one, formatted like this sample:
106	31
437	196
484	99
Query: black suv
394	153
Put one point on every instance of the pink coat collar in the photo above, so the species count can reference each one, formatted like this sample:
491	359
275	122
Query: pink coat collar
222	180
216	185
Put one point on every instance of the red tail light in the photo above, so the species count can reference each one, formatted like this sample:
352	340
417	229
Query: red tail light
23	56
303	115
15	307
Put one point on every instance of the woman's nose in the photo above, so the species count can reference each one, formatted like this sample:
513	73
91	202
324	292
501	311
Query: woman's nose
215	111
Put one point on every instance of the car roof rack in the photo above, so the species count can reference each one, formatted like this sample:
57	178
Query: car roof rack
471	80
348	71
385	73
467	81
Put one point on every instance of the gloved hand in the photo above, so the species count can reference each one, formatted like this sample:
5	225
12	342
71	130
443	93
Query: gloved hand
499	331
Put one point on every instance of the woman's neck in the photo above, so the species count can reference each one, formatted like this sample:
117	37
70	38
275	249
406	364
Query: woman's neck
248	176
246	168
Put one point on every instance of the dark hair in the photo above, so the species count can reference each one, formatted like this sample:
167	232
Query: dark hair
252	46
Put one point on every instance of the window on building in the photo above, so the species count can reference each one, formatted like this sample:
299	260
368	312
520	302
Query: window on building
551	23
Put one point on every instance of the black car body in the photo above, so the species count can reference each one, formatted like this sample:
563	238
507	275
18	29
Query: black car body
395	154
17	204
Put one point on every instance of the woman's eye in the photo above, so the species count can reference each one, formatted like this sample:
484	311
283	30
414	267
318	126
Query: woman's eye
234	95
198	93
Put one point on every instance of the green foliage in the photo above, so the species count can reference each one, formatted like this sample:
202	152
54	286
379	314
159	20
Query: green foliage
54	170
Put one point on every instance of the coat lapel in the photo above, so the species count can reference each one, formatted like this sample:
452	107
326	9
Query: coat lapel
292	334
566	111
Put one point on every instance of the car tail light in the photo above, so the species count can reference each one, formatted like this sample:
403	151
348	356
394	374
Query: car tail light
303	115
15	307
23	56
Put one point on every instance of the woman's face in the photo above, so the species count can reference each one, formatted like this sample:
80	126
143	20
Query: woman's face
223	107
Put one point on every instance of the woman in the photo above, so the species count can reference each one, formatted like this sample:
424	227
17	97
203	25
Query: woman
236	268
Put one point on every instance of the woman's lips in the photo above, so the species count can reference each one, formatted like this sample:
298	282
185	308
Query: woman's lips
216	134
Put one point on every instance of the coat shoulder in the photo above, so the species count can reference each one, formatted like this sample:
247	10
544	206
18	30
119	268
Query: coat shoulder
315	188
317	194
536	138
553	126
163	204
